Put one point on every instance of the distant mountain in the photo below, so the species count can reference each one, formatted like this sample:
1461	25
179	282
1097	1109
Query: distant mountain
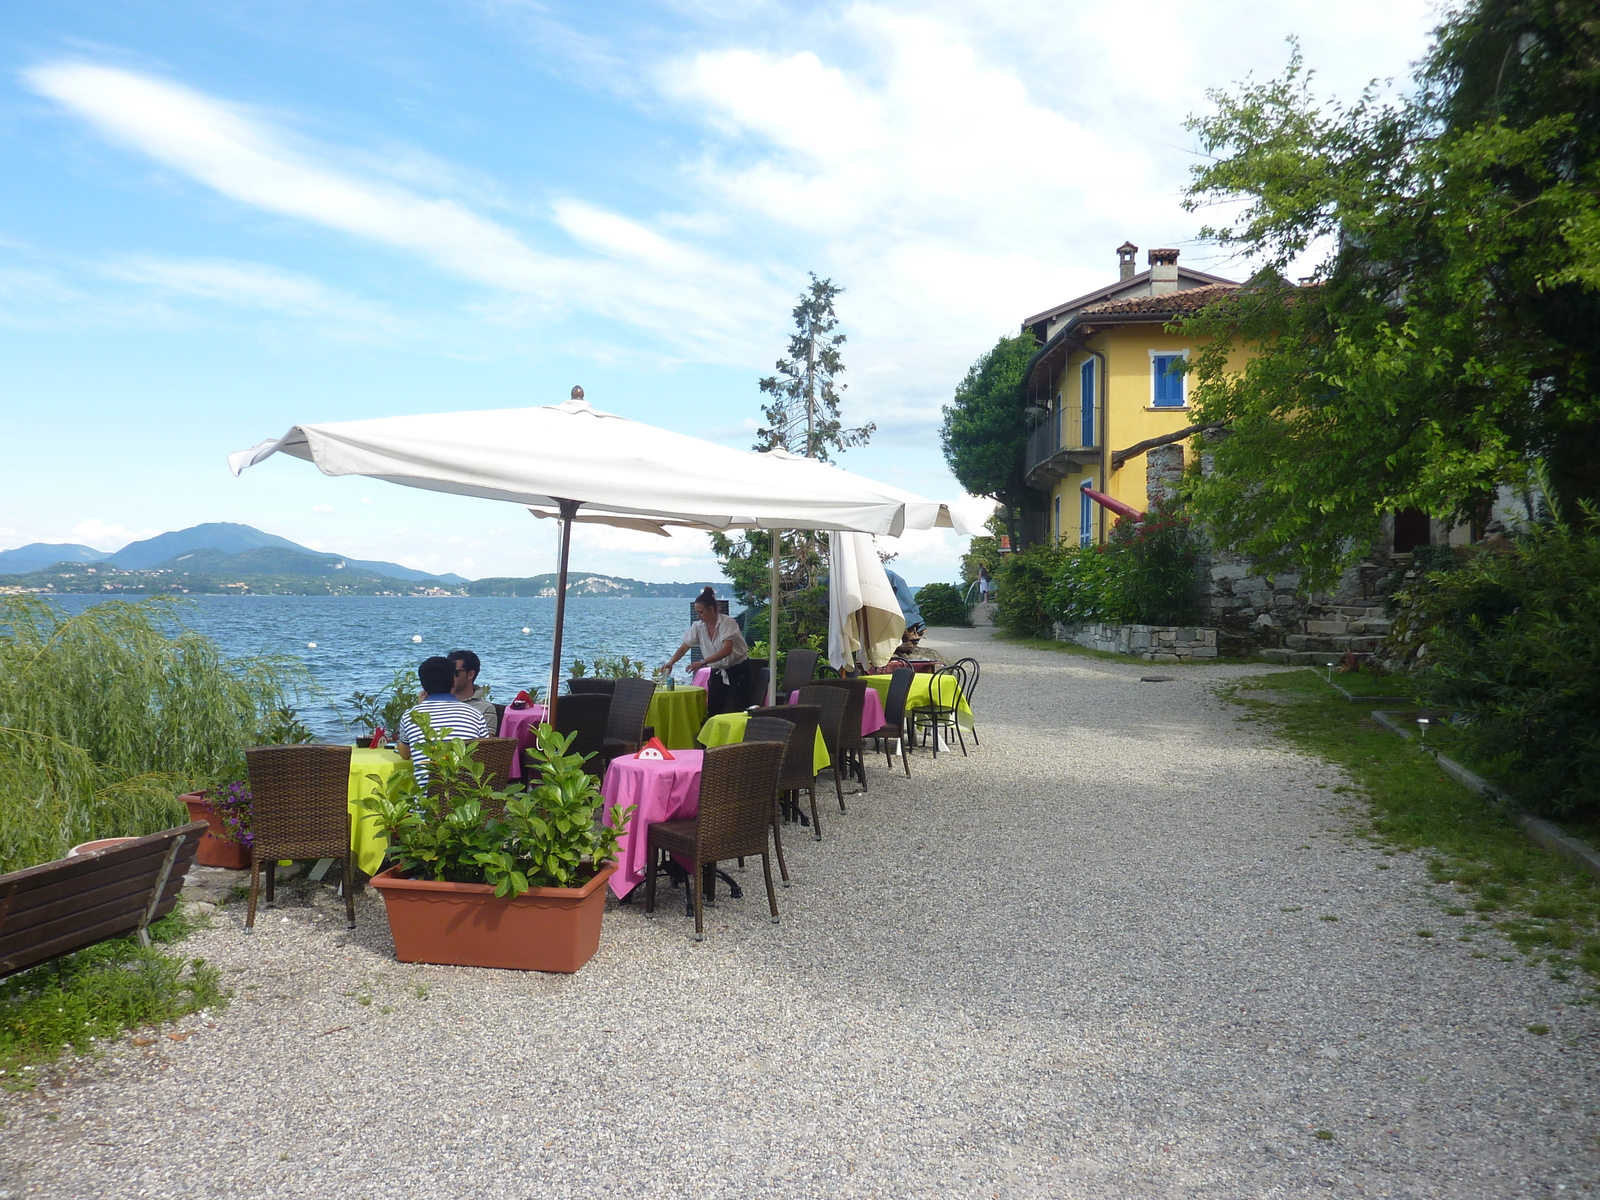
263	560
46	554
214	535
585	583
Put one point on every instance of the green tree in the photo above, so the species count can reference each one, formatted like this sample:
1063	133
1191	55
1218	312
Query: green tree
1449	341
985	430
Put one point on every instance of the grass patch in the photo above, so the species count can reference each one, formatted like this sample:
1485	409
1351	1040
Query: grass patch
1361	684
1547	907
1035	643
99	992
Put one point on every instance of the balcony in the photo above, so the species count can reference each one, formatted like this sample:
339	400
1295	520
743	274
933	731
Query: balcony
1046	462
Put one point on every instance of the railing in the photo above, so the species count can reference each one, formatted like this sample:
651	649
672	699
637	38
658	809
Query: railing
1044	441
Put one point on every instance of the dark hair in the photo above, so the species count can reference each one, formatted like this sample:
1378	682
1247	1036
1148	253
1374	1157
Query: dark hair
707	599
437	675
467	659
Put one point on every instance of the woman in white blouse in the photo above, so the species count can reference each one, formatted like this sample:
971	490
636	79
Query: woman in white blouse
723	649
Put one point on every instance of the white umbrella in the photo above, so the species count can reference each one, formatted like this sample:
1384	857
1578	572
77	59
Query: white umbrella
562	458
863	613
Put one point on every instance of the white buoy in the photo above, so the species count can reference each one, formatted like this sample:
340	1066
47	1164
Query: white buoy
525	629
311	645
416	637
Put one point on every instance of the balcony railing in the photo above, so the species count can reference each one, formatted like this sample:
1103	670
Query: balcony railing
1044	441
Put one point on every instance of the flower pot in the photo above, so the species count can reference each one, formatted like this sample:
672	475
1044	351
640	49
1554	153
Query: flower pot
216	848
467	925
97	844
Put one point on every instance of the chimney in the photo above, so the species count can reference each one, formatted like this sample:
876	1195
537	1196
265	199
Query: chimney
1126	253
1163	272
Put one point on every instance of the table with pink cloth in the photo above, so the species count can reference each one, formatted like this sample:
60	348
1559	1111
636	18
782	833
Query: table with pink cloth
702	677
522	724
871	710
658	790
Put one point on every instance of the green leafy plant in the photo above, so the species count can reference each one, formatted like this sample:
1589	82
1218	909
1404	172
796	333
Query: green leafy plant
547	837
1022	606
1161	553
611	666
385	708
942	604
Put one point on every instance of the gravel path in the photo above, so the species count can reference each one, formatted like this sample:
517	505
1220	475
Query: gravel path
1093	959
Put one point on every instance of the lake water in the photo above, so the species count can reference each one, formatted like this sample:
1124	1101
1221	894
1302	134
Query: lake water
362	640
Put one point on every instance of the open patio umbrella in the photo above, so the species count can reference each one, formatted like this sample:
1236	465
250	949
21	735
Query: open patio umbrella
863	612
560	459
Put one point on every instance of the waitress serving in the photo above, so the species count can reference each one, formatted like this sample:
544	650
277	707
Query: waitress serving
723	649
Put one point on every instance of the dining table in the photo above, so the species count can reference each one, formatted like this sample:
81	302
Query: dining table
523	725
924	694
369	775
726	728
677	716
657	790
871	708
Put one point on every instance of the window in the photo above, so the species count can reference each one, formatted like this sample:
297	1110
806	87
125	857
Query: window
1059	531
1166	384
1085	515
1086	400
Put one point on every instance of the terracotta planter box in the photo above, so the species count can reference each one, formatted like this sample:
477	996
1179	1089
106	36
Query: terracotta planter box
216	849
467	925
97	844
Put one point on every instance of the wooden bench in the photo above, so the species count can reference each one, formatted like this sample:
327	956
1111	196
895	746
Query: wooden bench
58	907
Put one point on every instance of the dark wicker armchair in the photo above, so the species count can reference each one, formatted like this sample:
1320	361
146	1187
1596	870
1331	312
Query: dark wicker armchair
798	669
299	809
766	728
799	760
585	713
496	755
625	724
832	702
588	684
738	787
894	718
851	744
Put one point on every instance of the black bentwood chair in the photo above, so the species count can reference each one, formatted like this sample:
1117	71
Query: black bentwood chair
937	716
970	671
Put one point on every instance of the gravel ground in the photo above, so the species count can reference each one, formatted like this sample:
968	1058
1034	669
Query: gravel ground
1094	959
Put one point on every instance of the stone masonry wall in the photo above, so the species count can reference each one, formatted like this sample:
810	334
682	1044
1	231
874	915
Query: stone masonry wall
1153	643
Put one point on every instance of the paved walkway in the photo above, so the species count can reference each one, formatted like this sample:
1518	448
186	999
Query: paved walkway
1089	960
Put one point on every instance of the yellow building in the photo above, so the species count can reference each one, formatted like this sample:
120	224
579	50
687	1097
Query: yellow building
1104	381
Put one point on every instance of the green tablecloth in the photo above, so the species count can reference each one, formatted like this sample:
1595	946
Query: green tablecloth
677	716
921	694
369	845
727	728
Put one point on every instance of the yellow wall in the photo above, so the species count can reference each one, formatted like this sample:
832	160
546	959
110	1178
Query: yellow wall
1130	418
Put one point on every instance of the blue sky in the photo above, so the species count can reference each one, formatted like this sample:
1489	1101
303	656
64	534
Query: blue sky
222	218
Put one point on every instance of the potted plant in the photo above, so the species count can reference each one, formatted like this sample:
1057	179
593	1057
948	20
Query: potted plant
508	878
226	809
385	708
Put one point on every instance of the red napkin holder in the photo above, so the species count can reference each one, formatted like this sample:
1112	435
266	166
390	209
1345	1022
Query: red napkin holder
377	739
653	749
522	700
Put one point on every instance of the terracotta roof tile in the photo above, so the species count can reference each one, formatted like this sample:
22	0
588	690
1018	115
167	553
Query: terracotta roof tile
1186	300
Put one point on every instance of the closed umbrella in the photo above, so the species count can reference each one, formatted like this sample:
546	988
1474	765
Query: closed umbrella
864	614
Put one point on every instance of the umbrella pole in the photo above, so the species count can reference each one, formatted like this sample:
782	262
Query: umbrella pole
772	625
569	509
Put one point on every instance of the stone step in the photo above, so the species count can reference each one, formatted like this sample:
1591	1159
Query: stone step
1304	658
983	614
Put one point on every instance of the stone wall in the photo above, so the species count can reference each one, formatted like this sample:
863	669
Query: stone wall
1154	643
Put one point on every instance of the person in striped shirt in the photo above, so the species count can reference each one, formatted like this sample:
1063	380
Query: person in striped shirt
449	716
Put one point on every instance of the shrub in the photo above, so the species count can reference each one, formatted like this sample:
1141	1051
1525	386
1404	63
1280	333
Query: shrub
611	666
942	604
1161	554
1090	585
1511	640
1022	605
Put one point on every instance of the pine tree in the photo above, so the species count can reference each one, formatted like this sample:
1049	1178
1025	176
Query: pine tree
803	415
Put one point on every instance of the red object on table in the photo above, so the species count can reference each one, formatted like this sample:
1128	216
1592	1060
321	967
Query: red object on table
522	724
653	749
378	736
659	790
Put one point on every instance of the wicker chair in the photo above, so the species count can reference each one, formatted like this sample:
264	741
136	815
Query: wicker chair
894	718
496	755
759	678
799	761
625	727
299	809
832	700
586	684
586	713
970	670
851	743
798	669
936	717
738	787
765	728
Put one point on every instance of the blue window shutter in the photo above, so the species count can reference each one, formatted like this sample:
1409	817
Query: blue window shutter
1168	383
1086	402
1085	518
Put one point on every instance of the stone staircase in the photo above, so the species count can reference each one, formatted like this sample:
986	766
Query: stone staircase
1327	634
983	614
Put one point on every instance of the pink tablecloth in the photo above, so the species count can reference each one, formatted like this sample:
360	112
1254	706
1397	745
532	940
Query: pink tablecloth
871	710
522	724
660	791
702	677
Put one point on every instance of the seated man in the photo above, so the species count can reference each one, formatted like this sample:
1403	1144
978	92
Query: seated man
466	687
449	716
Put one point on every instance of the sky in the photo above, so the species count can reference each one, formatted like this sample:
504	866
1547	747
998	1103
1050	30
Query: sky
221	218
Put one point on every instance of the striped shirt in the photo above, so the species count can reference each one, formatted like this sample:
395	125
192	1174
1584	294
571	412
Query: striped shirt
450	718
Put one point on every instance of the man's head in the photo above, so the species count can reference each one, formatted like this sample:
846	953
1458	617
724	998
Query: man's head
437	675
466	667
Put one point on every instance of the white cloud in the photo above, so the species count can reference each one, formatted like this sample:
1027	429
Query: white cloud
99	535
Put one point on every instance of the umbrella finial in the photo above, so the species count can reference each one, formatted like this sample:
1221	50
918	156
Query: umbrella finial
577	393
